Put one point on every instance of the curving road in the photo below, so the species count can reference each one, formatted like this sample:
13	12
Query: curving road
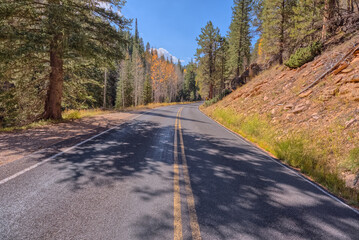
171	173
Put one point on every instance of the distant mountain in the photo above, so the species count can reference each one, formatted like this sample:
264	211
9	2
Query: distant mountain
163	52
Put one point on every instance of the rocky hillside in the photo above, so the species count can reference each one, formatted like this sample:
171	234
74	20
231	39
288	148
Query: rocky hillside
326	115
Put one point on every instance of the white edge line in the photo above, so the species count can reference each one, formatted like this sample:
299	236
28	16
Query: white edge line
286	167
64	151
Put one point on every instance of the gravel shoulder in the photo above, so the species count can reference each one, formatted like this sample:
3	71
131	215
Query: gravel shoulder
18	144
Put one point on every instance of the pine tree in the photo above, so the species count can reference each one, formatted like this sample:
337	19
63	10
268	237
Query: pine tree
222	67
329	13
276	20
147	90
208	43
239	36
190	87
55	33
137	37
124	96
138	75
306	15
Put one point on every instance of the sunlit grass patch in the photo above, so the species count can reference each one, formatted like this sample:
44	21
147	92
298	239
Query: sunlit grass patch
353	160
37	124
74	114
152	105
300	150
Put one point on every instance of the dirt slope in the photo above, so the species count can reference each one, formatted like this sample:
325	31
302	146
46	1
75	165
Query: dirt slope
328	113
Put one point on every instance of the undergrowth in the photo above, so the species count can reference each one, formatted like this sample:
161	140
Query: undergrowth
217	98
73	114
298	150
304	55
353	160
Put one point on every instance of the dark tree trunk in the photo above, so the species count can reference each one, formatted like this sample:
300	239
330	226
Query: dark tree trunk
350	4
329	10
54	92
210	96
281	38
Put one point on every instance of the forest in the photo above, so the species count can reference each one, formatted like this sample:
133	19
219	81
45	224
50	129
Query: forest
264	33
58	55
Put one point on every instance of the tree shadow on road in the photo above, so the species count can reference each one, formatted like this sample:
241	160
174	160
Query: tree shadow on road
239	191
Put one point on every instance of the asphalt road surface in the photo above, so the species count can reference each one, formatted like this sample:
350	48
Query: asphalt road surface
171	173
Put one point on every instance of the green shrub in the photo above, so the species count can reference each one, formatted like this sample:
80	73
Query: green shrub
294	152
72	115
353	160
217	98
304	55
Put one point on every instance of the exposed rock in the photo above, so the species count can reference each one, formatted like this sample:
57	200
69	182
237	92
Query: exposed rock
273	111
302	67
354	79
331	91
344	89
305	94
338	80
350	122
315	116
282	75
355	62
288	106
265	98
328	93
340	68
355	95
299	108
347	70
287	86
288	117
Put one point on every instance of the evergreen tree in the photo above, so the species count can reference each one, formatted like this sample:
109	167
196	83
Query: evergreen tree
138	75
147	90
208	43
222	64
239	36
276	20
124	96
330	9
306	15
57	33
190	87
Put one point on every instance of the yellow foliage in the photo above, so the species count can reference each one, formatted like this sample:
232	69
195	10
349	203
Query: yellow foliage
260	47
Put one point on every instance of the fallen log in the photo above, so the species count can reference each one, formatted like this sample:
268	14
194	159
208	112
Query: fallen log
356	48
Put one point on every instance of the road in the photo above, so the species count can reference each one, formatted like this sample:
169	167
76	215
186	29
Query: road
171	173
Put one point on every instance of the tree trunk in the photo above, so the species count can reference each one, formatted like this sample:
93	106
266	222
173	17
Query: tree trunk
329	10
105	90
350	4
281	38
210	96
54	92
239	59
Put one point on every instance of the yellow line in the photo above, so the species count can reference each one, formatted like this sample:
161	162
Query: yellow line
177	197
196	233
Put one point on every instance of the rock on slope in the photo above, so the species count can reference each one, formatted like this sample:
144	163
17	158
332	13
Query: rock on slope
328	112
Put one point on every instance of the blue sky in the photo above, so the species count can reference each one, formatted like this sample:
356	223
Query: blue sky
175	24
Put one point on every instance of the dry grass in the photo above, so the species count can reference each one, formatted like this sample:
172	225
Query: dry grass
301	149
73	114
152	105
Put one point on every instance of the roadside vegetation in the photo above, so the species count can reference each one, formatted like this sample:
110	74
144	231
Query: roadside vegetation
300	150
72	114
84	57
295	92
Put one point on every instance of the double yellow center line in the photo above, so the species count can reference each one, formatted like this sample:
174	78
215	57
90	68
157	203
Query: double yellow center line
196	233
